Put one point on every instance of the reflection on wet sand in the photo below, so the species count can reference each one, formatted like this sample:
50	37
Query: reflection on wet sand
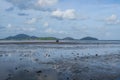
72	62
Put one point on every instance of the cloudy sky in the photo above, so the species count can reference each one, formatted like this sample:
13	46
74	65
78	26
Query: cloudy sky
61	18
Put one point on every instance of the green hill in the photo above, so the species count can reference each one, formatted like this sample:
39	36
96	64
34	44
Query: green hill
68	38
89	38
47	38
27	37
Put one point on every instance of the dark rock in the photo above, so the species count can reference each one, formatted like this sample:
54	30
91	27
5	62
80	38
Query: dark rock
45	75
8	78
49	55
16	68
21	59
9	74
39	72
96	55
36	59
1	55
75	58
67	78
26	70
57	41
77	53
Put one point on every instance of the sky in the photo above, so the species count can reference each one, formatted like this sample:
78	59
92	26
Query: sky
61	18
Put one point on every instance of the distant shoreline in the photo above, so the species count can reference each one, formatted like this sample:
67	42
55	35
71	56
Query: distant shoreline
60	42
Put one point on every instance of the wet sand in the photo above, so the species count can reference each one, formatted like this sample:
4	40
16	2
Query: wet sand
60	42
59	62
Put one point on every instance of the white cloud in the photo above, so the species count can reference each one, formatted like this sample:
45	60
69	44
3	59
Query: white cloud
84	17
62	32
28	29
9	26
67	14
46	24
53	31
108	34
33	4
50	30
44	3
31	21
113	19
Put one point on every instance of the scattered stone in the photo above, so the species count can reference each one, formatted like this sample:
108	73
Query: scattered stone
45	75
1	55
16	68
6	54
77	53
96	55
9	74
26	70
67	78
8	78
36	59
39	72
21	59
75	58
87	57
49	55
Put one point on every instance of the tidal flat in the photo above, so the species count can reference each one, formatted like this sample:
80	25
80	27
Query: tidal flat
59	61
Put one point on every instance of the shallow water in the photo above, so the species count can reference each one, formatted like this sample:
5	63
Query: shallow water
59	62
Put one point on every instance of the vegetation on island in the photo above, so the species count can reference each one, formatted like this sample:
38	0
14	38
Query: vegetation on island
27	37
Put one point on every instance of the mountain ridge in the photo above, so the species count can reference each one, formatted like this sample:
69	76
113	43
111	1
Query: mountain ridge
27	37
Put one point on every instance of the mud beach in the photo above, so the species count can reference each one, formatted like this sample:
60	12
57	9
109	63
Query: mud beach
60	62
